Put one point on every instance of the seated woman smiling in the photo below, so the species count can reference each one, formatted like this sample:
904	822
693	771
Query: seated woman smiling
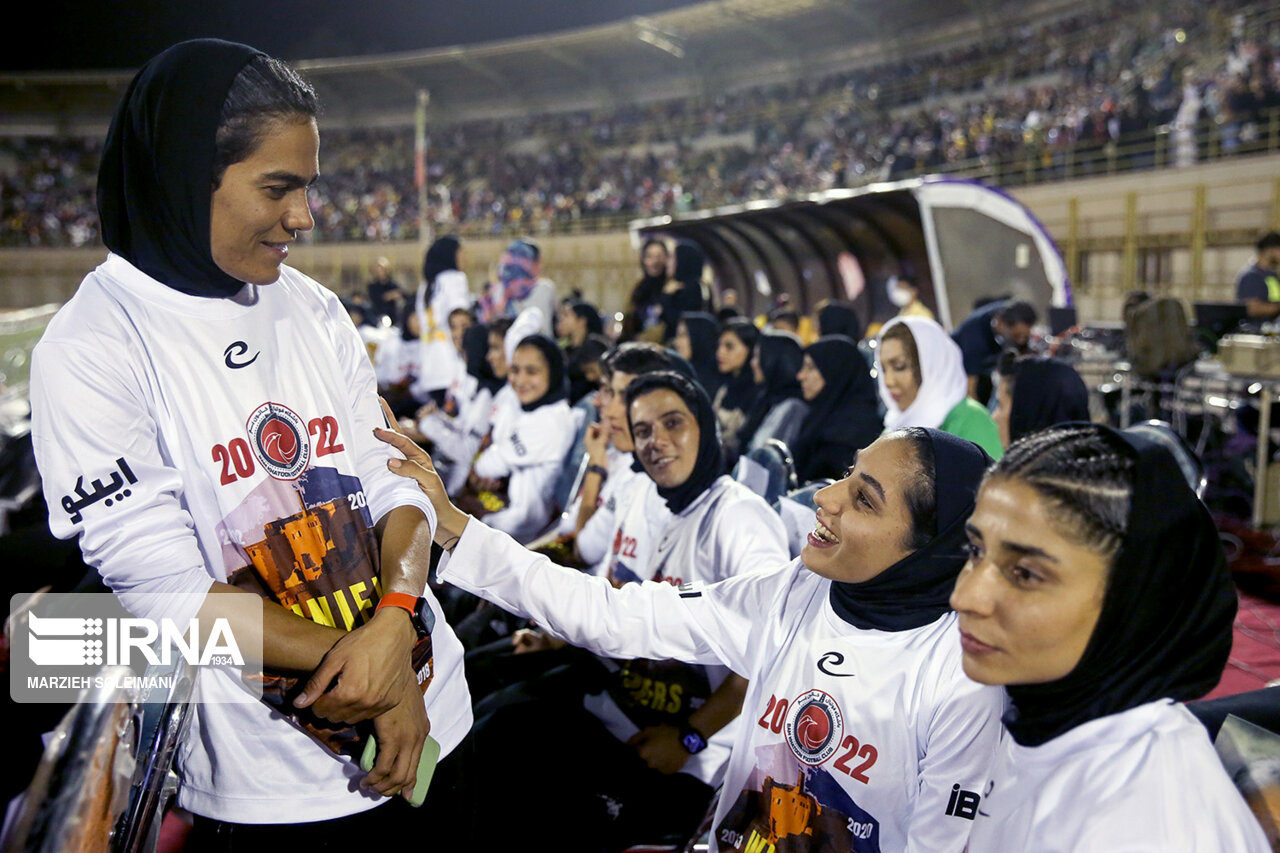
858	713
1097	594
520	464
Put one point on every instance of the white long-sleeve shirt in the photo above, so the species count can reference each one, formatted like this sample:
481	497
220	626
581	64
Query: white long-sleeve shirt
234	417
527	449
727	530
852	739
595	537
397	360
456	438
1141	781
641	517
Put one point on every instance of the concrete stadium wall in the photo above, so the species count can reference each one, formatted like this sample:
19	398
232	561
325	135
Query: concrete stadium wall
1184	233
1177	232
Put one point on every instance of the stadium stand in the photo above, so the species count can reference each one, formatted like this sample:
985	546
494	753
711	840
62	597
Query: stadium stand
1073	94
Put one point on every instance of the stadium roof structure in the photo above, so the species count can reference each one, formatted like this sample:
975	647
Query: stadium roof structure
702	48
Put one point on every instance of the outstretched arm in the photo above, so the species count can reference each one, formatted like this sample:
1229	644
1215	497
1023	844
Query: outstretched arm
695	624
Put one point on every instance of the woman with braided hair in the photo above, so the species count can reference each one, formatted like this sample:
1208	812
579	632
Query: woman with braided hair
1096	593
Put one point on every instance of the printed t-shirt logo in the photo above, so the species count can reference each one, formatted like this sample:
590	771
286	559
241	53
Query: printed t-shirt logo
279	439
814	727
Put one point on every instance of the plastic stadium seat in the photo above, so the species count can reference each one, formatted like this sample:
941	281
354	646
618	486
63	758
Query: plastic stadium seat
1260	707
768	470
568	481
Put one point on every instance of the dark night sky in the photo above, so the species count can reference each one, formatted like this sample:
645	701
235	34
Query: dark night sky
115	34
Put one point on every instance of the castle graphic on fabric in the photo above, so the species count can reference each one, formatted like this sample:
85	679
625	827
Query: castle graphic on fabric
791	810
318	563
321	562
813	814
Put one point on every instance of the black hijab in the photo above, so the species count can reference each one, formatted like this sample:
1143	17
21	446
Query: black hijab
846	411
558	382
1045	392
475	346
442	256
155	181
704	335
710	463
740	390
916	590
839	318
1164	631
689	263
780	355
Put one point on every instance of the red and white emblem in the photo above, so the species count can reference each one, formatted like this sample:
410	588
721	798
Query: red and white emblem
279	440
814	727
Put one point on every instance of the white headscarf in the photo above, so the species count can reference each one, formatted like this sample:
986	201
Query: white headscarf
529	322
943	383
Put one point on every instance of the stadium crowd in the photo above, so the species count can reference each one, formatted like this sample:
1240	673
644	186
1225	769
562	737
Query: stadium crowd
1081	95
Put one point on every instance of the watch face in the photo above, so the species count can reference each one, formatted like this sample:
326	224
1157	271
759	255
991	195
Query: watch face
425	616
693	742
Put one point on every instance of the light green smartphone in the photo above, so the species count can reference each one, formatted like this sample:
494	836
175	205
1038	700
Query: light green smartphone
426	765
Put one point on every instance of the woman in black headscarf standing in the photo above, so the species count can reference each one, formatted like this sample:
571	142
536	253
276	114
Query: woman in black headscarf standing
234	393
843	408
684	291
454	432
644	308
856	703
738	390
1097	594
780	410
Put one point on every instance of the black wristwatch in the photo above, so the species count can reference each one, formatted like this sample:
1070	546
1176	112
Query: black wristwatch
598	469
421	616
691	739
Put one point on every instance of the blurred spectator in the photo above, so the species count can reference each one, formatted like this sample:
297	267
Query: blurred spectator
738	393
697	336
684	291
904	294
987	331
386	299
1258	285
643	307
520	285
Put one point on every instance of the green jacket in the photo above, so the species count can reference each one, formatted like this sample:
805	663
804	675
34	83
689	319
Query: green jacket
969	420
